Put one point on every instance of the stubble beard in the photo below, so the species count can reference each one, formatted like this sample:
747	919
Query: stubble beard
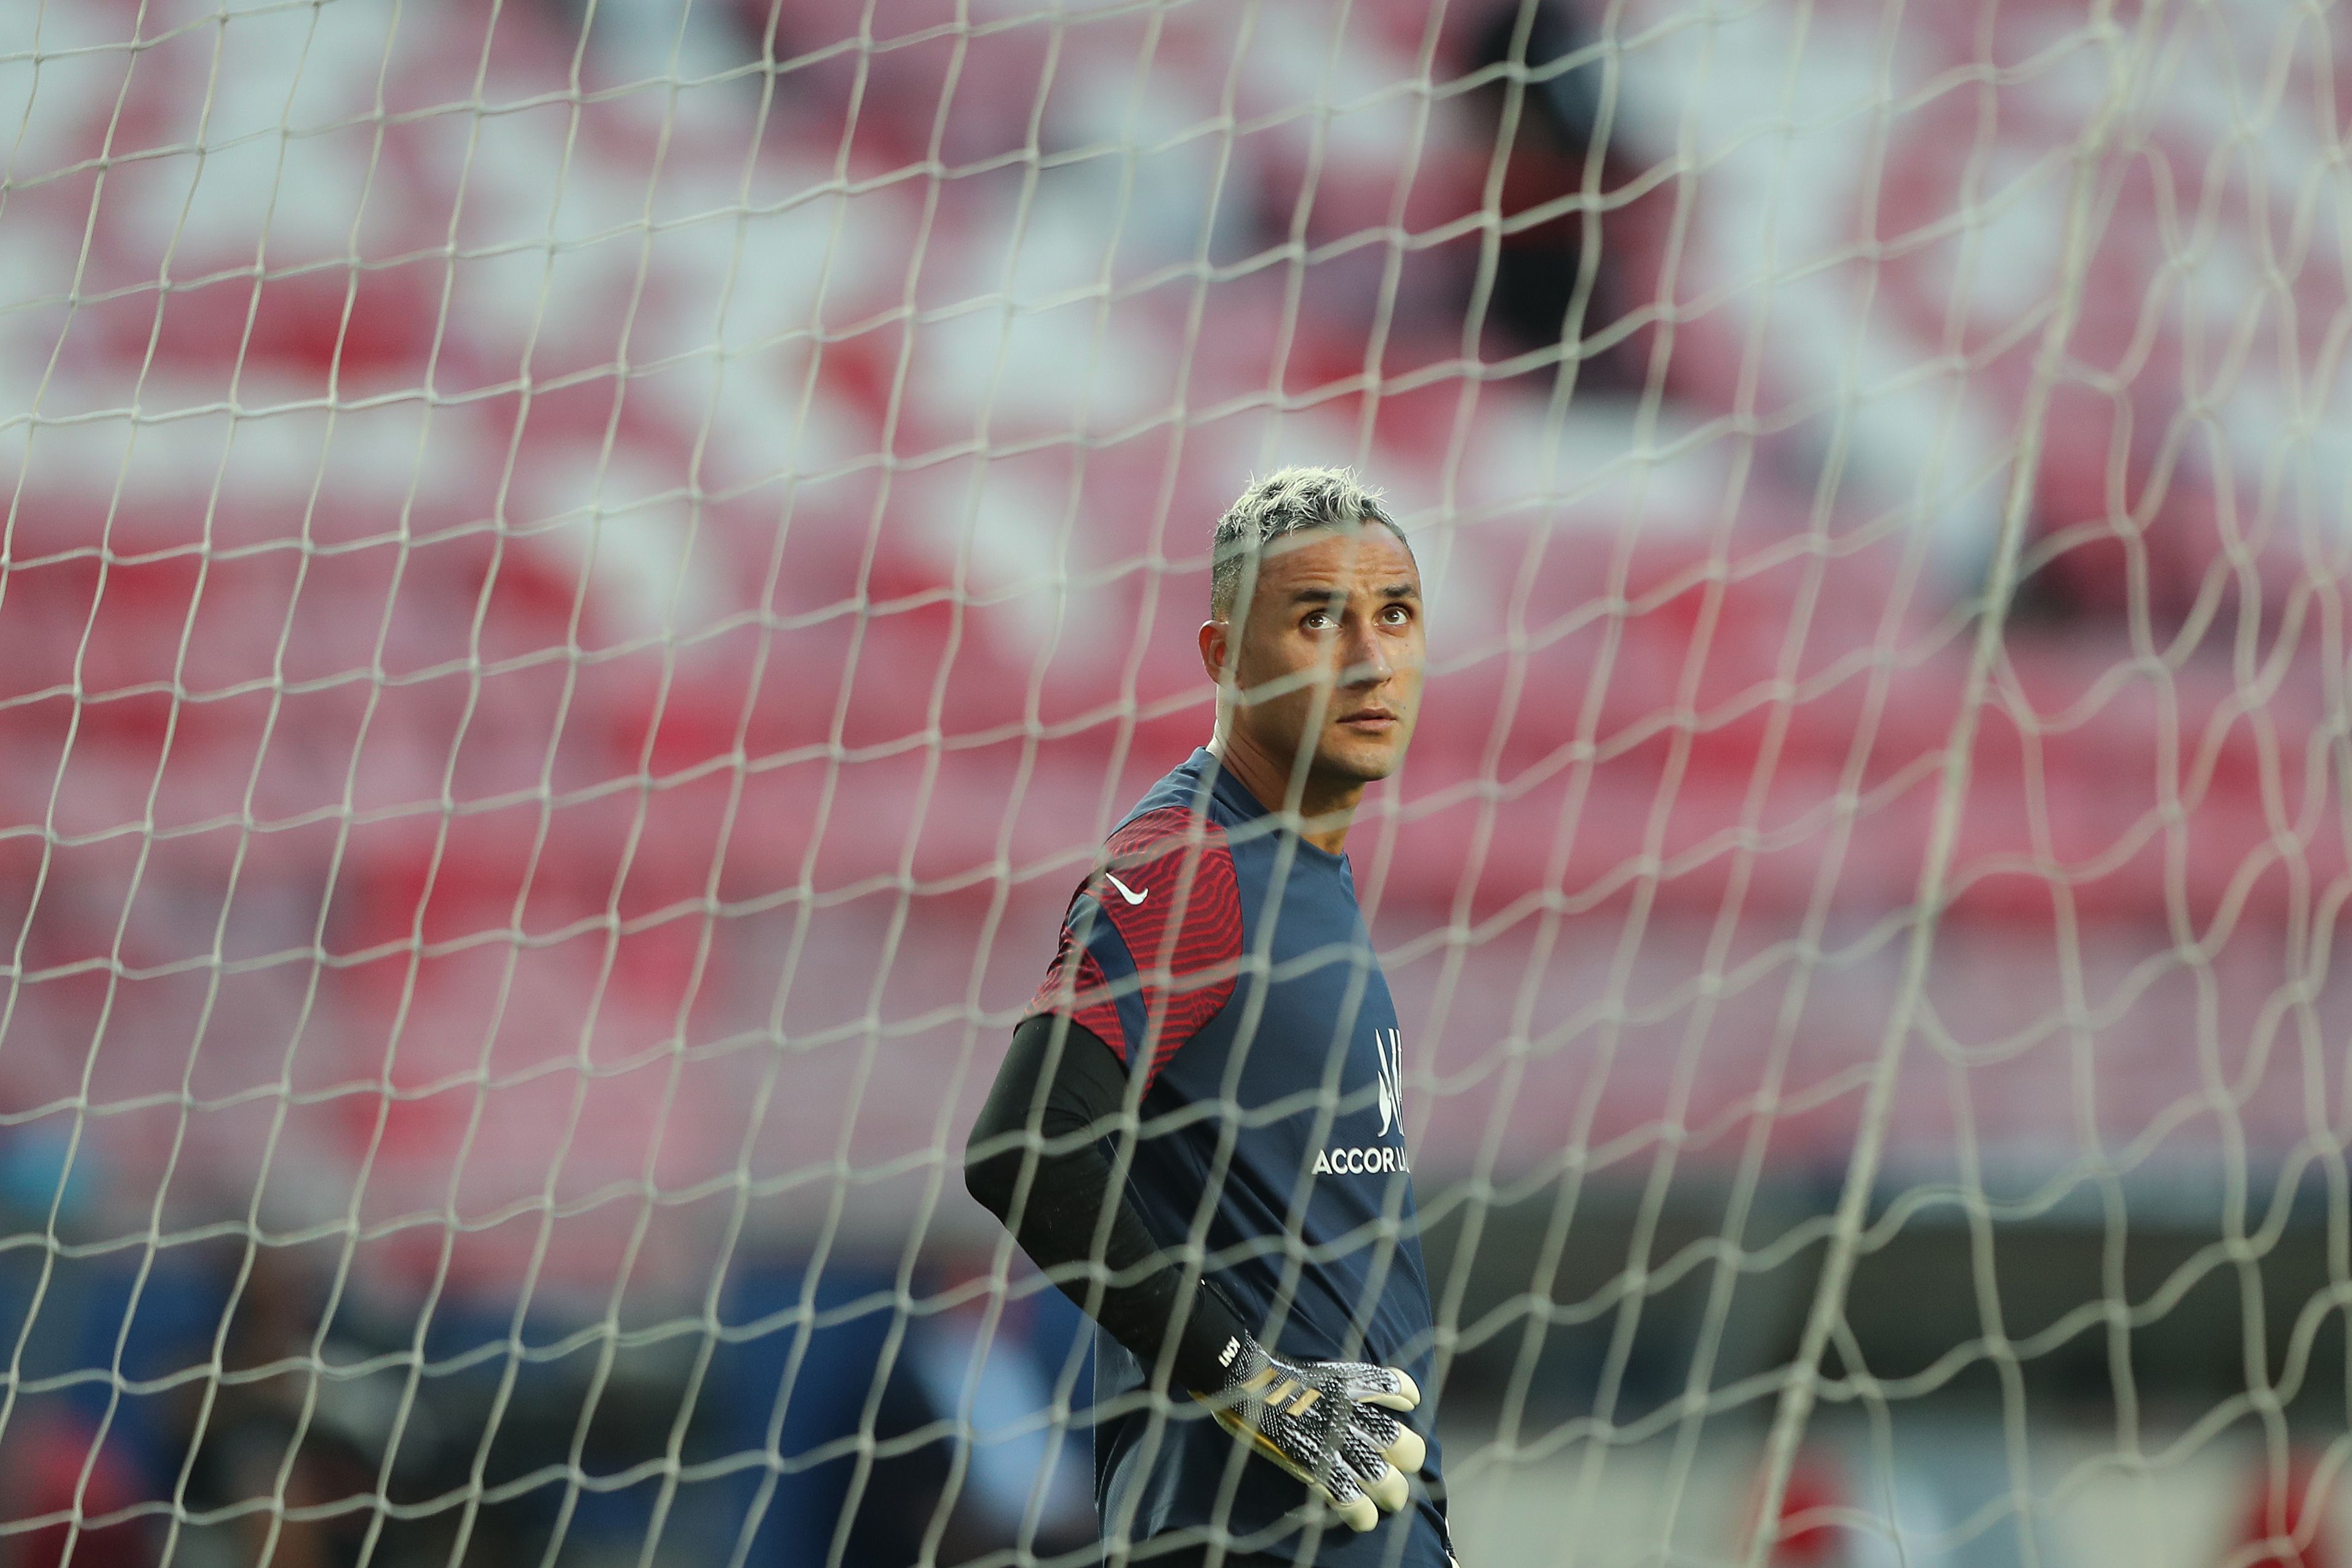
1339	761
1334	766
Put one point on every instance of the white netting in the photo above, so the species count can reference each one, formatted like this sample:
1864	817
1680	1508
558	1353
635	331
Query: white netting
583	576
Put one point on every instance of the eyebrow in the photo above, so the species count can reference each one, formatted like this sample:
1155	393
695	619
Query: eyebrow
1340	595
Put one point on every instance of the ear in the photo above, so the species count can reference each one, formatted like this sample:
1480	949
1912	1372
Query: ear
1216	641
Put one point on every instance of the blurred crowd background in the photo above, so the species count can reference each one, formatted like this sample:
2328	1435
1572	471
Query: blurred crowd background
581	582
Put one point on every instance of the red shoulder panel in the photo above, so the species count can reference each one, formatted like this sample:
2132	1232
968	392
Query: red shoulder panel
1167	888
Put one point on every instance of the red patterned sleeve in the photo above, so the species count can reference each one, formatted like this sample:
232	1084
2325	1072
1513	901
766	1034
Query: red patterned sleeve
1151	943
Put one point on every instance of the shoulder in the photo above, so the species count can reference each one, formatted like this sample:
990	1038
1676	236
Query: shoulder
1162	830
1168	855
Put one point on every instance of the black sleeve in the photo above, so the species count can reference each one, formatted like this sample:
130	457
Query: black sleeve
1030	1163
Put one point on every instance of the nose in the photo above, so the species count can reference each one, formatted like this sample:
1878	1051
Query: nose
1364	661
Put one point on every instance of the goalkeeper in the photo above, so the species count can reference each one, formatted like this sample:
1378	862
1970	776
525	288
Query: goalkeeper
1249	1239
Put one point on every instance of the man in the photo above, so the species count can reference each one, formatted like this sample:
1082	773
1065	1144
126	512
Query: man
1196	1131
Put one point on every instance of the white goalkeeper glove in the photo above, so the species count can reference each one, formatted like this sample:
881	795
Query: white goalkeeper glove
1329	1423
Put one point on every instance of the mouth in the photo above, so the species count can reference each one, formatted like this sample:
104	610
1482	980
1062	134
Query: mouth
1368	721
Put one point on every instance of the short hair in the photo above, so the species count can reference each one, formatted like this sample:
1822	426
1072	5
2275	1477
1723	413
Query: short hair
1286	501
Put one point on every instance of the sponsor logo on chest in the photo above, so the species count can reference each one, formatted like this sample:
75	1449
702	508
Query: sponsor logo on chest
1380	1159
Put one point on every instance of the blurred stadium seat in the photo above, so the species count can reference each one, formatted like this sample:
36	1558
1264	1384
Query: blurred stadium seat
893	490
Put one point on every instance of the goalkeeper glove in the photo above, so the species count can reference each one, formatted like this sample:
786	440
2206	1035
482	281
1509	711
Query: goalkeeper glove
1329	1423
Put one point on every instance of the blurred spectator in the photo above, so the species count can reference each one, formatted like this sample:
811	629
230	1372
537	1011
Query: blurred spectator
277	1436
985	1465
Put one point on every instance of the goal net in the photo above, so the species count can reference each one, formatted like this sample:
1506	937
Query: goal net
581	580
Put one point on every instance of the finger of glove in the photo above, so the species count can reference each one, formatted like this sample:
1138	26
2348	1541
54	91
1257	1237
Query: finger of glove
1359	1511
1381	1481
1340	1485
1391	1439
1378	1427
1386	1488
1387	1387
1406	1450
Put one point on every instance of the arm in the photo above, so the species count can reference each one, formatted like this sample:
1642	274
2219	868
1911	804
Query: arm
1145	961
1329	1423
1056	1084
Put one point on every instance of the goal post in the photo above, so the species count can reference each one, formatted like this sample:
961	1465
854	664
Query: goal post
583	578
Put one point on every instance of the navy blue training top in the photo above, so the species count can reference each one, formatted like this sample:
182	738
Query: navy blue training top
1226	960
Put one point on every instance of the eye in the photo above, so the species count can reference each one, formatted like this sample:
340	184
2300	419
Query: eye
1318	620
1396	614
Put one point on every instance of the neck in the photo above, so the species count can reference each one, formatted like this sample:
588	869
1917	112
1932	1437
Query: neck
1325	808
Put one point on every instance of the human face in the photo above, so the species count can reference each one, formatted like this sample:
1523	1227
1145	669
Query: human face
1327	658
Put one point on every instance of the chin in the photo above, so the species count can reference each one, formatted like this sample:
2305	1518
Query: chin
1365	766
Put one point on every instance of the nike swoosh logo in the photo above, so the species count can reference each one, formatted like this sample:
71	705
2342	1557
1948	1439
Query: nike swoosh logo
1126	892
